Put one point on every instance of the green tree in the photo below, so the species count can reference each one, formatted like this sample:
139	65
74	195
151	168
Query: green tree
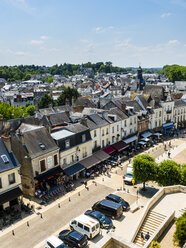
31	110
180	233
155	244
45	101
183	174
68	93
168	173
144	168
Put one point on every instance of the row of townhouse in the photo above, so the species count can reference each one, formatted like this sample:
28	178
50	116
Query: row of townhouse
59	146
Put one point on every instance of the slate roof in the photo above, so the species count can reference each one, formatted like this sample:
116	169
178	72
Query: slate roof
179	103
137	107
58	118
155	91
34	138
46	111
91	125
63	108
85	102
143	100
77	128
120	114
12	163
100	122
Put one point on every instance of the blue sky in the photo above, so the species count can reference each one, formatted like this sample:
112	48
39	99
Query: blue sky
126	32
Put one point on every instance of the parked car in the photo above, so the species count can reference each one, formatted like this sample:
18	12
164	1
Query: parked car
104	221
54	242
128	178
118	199
85	225
109	208
73	238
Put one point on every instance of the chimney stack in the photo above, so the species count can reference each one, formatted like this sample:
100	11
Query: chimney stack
84	121
7	141
123	106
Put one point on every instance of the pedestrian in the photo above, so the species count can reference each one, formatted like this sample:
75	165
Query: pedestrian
169	154
142	237
165	147
170	144
147	236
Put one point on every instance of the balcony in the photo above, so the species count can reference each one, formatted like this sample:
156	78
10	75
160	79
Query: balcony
169	111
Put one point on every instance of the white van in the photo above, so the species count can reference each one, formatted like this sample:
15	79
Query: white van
85	225
130	168
54	242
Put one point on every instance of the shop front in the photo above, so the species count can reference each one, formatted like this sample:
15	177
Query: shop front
168	128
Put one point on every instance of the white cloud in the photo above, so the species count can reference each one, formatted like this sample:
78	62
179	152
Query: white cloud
100	29
20	53
44	37
22	5
173	42
166	15
36	42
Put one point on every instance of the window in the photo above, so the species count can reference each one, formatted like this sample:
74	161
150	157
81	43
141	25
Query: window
72	158
42	165
130	131
130	121
156	114
95	144
135	120
117	127
160	114
1	184
64	161
155	123
112	129
94	133
4	158
107	131
107	141
113	139
125	123
103	143
50	245
11	178
50	162
55	160
83	137
103	132
84	152
93	228
80	225
67	143
86	229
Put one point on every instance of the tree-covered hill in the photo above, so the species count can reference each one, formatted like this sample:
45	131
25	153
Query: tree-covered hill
175	72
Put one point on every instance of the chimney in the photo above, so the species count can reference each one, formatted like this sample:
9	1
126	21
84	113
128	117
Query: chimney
7	141
123	106
83	121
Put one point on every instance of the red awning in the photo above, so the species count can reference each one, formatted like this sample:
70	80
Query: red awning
109	150
120	146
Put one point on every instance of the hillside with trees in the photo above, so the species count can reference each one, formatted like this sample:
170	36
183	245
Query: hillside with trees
174	72
24	72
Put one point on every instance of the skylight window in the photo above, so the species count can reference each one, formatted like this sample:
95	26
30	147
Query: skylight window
4	158
42	146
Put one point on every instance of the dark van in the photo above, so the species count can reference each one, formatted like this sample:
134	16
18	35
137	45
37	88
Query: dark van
109	208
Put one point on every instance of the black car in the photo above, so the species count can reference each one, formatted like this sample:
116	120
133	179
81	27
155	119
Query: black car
118	199
73	238
104	221
109	208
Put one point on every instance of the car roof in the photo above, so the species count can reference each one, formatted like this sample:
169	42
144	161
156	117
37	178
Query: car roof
86	220
115	197
76	235
54	239
110	204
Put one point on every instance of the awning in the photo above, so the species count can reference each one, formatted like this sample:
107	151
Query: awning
49	173
145	139
109	149
168	125
120	146
141	143
133	138
157	134
74	169
10	195
102	155
90	161
146	134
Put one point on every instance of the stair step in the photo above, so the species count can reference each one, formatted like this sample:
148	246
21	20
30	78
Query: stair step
158	214
156	223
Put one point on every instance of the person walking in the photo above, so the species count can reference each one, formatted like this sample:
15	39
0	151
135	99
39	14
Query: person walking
147	236
169	154
142	237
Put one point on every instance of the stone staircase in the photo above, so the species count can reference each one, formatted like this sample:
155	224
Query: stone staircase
183	210
150	224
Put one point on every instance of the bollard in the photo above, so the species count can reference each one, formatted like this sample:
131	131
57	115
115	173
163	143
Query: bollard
78	193
127	190
95	184
13	233
103	179
59	205
69	199
27	224
41	216
116	172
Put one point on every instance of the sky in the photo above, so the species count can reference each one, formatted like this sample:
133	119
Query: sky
150	33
